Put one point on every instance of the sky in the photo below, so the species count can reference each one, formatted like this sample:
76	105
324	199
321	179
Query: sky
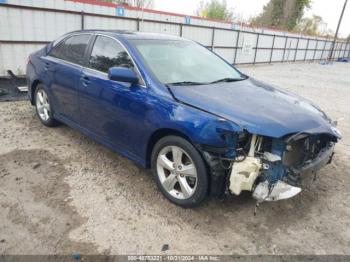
329	10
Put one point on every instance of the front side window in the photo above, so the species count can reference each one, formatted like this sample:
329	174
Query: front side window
180	61
72	49
107	53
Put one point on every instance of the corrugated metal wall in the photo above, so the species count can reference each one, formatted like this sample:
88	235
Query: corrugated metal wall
27	25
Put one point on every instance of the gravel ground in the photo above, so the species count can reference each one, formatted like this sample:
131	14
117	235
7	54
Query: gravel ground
62	193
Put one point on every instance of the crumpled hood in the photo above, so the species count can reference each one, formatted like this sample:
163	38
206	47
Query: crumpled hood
257	107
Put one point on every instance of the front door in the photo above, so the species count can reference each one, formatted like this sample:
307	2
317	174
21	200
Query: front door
111	110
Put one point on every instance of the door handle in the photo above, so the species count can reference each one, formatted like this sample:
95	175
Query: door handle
85	80
47	66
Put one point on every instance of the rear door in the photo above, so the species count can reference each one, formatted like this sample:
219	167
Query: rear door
64	65
113	111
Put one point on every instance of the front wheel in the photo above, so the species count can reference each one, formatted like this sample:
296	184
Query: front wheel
180	171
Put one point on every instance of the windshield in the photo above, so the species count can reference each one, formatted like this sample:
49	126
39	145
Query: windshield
184	62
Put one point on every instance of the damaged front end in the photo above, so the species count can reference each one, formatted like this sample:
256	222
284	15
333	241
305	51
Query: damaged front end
271	168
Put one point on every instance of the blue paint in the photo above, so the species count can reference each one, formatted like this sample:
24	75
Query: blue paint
278	146
187	20
276	170
257	107
125	118
120	11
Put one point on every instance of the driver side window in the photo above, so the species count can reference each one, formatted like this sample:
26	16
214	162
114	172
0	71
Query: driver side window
107	53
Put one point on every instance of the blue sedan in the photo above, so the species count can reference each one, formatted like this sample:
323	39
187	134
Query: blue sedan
174	106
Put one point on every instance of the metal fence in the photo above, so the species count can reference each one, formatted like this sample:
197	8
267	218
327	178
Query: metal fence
25	29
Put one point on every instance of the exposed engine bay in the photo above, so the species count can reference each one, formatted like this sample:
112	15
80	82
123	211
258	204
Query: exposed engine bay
272	168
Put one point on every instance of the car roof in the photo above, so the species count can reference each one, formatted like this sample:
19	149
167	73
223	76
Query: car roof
132	34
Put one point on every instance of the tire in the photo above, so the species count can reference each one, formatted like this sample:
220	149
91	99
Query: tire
180	171
43	107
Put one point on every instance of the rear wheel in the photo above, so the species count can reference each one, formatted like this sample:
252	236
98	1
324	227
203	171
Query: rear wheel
43	107
180	171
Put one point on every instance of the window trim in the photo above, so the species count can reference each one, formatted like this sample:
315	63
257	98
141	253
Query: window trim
66	38
142	83
88	52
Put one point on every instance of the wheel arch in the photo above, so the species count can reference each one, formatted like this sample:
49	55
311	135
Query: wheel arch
217	175
32	90
159	134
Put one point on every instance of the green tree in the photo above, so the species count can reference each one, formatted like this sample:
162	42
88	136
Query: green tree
135	3
314	26
311	25
215	9
141	3
283	14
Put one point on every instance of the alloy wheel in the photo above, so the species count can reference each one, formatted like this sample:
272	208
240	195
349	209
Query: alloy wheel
177	172
43	105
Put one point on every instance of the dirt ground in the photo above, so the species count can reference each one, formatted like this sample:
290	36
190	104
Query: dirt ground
62	193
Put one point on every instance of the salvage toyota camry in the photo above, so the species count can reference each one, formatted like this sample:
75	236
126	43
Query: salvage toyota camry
174	106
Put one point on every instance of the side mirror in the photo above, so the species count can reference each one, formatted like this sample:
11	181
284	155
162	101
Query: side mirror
122	74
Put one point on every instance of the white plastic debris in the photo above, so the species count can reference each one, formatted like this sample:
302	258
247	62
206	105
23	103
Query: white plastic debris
280	190
271	157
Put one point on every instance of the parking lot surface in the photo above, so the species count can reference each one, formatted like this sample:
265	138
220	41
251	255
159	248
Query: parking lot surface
62	193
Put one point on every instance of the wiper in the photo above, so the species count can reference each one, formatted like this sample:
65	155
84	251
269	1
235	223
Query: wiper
185	83
228	79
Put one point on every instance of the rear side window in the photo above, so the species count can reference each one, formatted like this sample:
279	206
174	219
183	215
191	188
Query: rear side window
72	49
107	53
